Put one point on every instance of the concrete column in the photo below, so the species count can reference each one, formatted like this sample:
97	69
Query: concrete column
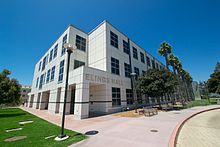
123	97
62	94
31	100
68	100
52	101
36	101
81	109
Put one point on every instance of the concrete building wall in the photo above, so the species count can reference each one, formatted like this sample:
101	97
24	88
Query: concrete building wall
97	57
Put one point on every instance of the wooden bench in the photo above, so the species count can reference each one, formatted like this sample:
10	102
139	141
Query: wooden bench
178	105
150	111
166	107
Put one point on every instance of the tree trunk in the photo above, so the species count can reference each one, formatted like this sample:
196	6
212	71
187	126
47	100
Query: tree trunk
166	62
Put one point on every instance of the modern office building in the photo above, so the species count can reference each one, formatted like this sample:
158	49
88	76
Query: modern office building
99	76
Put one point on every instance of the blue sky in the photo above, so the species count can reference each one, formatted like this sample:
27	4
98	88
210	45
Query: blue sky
192	27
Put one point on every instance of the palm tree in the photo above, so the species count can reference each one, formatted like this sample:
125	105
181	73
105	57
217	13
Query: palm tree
174	62
165	49
189	80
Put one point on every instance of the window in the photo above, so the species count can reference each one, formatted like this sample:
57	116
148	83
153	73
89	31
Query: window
153	63
48	75
39	66
55	51
135	54
127	70
52	73
37	82
142	57
136	70
114	39
143	72
44	80
41	81
51	55
116	96
126	47
80	43
47	59
78	64
148	60
64	41
44	63
60	78
157	66
129	96
115	66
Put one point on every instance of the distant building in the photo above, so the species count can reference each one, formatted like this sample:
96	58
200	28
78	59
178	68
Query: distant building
196	90
24	92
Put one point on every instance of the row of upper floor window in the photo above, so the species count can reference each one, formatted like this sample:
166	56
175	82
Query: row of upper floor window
50	74
115	68
126	48
80	43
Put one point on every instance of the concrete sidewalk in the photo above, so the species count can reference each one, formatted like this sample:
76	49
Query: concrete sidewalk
201	130
123	131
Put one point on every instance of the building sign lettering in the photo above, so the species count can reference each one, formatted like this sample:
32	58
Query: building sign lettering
101	79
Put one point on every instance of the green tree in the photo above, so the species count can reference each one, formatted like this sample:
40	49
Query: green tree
213	82
174	62
9	89
156	83
165	49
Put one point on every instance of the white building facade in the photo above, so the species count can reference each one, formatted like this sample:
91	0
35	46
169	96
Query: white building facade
99	76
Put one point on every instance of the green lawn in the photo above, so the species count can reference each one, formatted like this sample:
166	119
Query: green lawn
35	132
202	102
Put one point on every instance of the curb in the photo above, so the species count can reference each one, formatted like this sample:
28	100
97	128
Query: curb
175	133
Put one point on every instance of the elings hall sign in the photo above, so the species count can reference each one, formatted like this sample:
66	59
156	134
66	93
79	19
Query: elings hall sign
102	79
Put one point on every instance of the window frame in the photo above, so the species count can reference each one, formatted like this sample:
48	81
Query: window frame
116	97
63	51
55	51
52	75
115	66
127	69
114	39
129	97
78	62
126	48
61	71
135	53
80	43
142	57
48	76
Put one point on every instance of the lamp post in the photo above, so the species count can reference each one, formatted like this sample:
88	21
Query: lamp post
133	75
69	47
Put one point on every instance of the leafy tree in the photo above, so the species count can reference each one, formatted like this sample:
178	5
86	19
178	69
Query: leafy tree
165	49
156	83
213	82
9	89
203	89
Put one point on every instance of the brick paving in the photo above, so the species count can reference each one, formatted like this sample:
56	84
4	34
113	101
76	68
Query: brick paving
124	131
202	130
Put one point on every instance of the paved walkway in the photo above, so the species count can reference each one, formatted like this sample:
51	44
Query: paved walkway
123	131
203	130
